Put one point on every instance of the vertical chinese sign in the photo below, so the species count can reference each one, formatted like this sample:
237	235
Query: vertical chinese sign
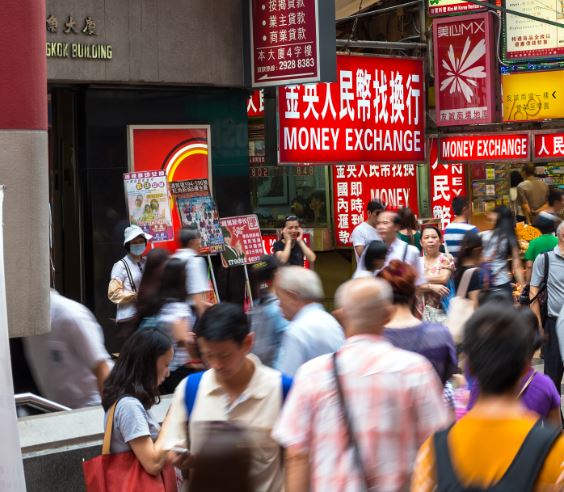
465	70
447	182
373	113
354	185
291	41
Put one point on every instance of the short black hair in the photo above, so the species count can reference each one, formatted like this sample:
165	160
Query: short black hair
544	224
376	250
173	282
497	343
187	234
291	218
374	206
262	272
554	195
431	226
459	203
223	322
470	241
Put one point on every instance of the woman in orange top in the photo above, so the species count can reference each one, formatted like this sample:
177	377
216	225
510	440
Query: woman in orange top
479	449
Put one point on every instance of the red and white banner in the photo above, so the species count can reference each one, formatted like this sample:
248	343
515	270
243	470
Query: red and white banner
465	69
548	146
447	182
255	104
354	185
243	241
484	148
375	112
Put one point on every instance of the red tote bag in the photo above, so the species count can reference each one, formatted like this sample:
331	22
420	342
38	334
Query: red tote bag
122	472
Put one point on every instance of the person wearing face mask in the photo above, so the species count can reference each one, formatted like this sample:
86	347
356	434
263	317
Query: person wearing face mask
126	277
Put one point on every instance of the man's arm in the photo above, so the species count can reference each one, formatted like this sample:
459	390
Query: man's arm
297	469
536	281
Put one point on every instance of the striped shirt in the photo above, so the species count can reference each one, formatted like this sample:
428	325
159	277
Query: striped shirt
394	400
454	232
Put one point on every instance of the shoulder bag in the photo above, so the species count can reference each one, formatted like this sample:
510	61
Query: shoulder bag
126	326
460	308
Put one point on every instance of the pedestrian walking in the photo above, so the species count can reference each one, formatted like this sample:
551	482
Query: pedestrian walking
364	233
532	193
409	228
355	418
454	232
148	295
470	257
291	249
542	244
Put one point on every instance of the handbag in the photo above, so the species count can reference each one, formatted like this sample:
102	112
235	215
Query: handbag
122	472
460	308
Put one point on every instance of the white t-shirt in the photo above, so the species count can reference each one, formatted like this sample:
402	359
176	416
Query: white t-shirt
62	361
362	235
196	271
120	272
402	251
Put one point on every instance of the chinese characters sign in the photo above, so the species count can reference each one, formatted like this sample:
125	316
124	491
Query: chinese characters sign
465	70
447	182
354	185
373	113
548	147
527	39
255	104
533	95
148	203
484	148
243	241
446	7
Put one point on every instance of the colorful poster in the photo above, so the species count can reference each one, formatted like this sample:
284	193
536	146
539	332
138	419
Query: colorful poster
374	113
243	241
465	70
148	203
354	185
197	209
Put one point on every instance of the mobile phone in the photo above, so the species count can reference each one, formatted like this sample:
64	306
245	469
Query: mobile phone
179	450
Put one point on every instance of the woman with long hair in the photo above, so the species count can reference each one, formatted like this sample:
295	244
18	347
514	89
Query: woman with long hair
470	256
409	232
147	297
133	385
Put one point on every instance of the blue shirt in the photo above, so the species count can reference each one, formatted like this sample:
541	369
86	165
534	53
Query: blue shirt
454	232
269	326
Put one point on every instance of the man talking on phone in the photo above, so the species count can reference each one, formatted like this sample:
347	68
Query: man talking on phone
291	249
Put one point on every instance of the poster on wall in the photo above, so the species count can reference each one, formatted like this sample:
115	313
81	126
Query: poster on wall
148	203
528	39
197	209
465	70
374	112
447	7
183	152
354	185
243	240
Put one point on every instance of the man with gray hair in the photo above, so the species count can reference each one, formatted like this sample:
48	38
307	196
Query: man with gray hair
312	330
355	419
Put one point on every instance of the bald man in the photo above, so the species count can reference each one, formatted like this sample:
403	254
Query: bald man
393	399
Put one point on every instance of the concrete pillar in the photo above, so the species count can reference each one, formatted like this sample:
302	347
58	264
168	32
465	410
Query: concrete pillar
24	164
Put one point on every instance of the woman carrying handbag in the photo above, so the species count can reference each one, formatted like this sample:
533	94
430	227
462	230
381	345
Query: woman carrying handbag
132	455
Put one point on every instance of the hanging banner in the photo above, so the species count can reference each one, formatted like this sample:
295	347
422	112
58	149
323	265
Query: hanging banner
197	209
548	146
492	147
447	7
447	182
243	240
354	185
374	113
255	104
527	39
148	203
291	41
465	70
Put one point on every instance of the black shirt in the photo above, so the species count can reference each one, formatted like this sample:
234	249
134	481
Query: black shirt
476	282
296	253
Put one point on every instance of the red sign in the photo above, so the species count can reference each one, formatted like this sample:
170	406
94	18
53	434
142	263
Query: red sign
243	241
447	7
354	185
373	113
268	241
548	146
447	182
484	148
255	104
465	70
284	42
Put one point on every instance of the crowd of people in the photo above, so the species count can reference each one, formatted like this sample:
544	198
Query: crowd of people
376	395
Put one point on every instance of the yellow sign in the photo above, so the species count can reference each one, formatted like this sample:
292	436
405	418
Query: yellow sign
531	96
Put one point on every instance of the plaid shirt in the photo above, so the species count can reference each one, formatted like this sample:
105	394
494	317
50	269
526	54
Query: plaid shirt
395	402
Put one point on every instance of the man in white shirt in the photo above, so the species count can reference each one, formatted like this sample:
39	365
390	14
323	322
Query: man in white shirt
312	330
388	225
363	234
69	364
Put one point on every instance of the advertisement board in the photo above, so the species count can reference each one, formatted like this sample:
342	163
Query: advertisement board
528	39
354	185
465	70
374	112
548	146
485	147
148	203
243	240
531	96
447	7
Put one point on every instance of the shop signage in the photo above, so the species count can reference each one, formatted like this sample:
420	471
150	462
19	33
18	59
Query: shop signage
243	241
529	96
484	148
527	39
255	104
465	70
447	182
291	41
548	146
373	113
354	185
446	7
